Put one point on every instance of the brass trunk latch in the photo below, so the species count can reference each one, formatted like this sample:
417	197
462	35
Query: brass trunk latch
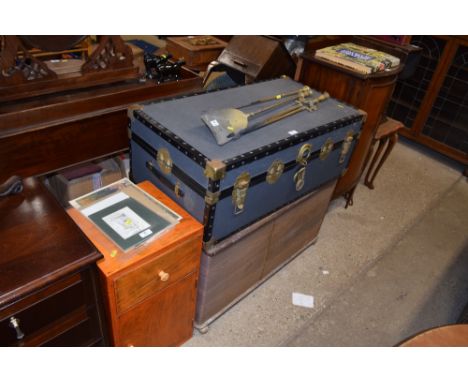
326	149
304	154
346	146
178	191
274	171
239	193
164	160
302	158
299	178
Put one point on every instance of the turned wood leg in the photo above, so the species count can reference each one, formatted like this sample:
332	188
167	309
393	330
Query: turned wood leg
368	156
349	197
393	139
369	175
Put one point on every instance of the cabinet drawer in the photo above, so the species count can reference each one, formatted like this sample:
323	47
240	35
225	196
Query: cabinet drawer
147	279
165	319
34	313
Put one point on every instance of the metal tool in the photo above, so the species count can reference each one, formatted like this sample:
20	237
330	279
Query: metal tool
229	122
301	104
224	135
303	90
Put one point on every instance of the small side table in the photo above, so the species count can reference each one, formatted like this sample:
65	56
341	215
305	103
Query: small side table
386	134
449	335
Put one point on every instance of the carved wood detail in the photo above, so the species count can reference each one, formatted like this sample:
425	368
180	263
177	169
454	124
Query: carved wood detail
24	76
17	69
111	53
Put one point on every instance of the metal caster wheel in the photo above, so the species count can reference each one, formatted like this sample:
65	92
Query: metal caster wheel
203	329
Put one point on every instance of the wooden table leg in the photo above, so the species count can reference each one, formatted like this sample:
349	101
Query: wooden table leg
369	155
393	139
369	175
349	197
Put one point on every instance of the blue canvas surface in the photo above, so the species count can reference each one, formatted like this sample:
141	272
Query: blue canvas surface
182	117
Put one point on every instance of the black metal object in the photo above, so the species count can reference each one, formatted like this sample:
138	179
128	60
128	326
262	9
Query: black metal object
159	68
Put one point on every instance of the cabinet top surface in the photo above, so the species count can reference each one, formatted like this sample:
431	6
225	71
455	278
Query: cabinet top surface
116	260
204	43
38	242
310	56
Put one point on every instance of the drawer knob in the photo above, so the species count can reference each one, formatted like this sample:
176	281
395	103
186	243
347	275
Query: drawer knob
164	276
14	323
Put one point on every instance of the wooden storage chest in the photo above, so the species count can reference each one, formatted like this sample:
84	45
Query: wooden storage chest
197	51
235	266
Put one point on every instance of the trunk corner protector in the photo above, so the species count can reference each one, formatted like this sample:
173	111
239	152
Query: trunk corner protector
215	169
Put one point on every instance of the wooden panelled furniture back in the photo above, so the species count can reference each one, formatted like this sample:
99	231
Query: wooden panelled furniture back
145	308
47	280
43	134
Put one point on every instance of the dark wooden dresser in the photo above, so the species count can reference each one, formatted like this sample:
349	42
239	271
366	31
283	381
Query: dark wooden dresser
48	286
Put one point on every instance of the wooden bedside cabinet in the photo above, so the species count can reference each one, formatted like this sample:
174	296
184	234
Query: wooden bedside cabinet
150	291
49	291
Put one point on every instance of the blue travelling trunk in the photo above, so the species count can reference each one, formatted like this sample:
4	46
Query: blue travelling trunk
229	187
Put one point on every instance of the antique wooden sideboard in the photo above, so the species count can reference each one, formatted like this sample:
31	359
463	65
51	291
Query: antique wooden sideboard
43	134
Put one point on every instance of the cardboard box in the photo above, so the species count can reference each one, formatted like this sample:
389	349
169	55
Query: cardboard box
76	181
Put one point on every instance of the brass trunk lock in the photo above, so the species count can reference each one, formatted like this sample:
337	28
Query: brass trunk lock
346	146
239	193
177	190
304	154
299	178
326	149
164	160
274	171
